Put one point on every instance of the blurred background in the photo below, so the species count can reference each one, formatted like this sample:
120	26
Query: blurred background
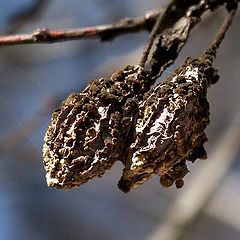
36	78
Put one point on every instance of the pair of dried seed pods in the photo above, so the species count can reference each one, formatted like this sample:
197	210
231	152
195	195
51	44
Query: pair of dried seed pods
151	131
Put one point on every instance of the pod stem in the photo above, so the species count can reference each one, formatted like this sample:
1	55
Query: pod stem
210	53
152	37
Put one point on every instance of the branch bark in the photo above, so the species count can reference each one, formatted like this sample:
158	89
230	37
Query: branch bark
104	32
176	9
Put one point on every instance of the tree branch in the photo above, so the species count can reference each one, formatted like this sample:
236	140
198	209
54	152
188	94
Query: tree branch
176	9
104	32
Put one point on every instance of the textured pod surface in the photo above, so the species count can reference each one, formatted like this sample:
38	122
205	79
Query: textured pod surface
88	132
170	127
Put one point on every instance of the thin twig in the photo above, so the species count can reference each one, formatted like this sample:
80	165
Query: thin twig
104	32
109	31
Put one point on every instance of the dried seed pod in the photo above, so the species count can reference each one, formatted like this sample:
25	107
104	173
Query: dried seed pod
87	133
170	127
171	121
94	128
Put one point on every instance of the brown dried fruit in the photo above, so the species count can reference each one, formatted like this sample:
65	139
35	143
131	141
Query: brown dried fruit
112	120
170	127
88	132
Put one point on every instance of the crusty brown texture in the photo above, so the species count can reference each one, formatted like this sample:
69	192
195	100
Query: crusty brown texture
170	127
88	132
112	120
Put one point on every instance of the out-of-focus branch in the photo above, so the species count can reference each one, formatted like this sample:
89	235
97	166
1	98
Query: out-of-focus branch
24	15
